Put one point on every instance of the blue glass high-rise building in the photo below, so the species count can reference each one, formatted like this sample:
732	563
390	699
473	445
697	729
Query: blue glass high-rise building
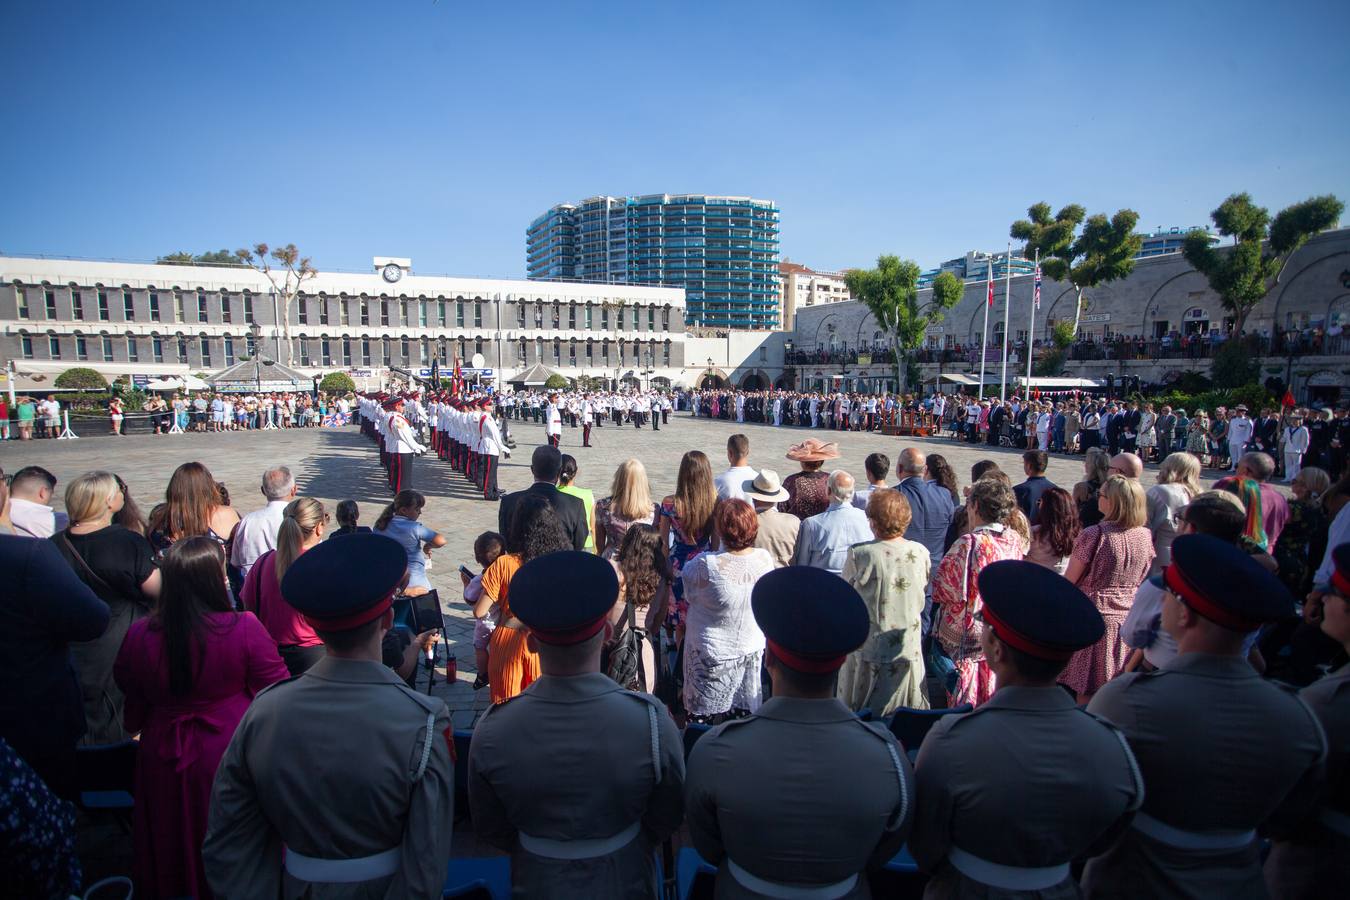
722	250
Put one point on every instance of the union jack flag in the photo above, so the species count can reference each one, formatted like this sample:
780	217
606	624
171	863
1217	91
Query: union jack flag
1037	292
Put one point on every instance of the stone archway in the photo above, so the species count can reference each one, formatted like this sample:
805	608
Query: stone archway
755	380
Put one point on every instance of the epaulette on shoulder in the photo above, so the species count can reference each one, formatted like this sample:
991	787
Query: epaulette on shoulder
277	684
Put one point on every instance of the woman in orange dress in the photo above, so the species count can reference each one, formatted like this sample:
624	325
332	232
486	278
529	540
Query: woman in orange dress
533	531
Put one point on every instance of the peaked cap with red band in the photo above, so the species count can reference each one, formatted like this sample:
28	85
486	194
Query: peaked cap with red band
1224	584
564	597
346	582
1038	611
811	619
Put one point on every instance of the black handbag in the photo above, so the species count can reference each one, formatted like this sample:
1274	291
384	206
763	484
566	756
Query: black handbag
625	654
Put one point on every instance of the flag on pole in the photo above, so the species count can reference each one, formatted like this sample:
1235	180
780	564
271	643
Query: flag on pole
1288	399
991	282
1037	293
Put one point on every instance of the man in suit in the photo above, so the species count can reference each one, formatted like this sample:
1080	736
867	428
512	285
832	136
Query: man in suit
545	465
1034	463
1115	422
932	508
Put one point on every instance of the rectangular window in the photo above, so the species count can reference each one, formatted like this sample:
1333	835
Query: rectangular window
459	313
422	313
103	314
404	348
77	304
133	353
478	346
520	314
206	351
302	309
178	307
225	315
365	351
440	309
248	308
590	353
201	307
81	347
250	348
157	348
323	310
571	353
229	350
326	351
182	350
49	298
522	352
384	312
23	304
590	317
154	307
403	313
604	319
651	318
107	348
26	345
344	311
620	319
53	346
572	317
557	352
347	351
128	306
304	352
665	354
365	312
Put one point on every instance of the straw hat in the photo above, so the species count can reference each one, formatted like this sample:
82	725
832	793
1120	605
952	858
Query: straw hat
765	486
812	450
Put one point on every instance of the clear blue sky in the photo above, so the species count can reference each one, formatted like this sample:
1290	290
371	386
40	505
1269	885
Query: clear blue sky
437	130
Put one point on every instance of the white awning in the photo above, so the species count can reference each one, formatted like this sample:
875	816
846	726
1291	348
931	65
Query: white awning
1051	384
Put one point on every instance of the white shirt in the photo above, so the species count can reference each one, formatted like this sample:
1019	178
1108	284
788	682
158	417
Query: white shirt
34	519
1339	534
729	484
256	533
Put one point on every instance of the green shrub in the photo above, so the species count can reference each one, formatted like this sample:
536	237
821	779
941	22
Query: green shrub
81	378
337	383
1254	396
1234	366
555	382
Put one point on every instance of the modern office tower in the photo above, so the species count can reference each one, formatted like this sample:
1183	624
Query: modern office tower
1169	240
722	250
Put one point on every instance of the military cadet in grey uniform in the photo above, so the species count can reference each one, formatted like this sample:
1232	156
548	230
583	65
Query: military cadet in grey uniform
802	798
1223	752
338	783
577	778
1314	861
1010	794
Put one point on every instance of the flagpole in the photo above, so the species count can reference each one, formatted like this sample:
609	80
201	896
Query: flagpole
984	335
1007	325
1031	327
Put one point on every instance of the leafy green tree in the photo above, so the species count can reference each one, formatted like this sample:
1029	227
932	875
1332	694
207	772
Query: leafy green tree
1102	252
81	378
555	382
891	293
214	258
337	383
287	277
1243	274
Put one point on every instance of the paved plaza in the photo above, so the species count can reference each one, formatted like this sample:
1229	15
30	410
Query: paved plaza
338	464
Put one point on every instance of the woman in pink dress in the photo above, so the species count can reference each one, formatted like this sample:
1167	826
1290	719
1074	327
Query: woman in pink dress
189	671
956	589
1110	560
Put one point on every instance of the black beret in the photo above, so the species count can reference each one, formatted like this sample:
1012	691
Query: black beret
1224	584
812	619
564	596
1037	610
342	584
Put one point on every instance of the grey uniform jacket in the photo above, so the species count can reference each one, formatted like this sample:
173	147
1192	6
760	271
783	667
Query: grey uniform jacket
1314	860
574	759
801	793
1223	753
1029	780
327	764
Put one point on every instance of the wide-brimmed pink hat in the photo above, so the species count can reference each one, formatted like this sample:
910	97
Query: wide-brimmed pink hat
812	450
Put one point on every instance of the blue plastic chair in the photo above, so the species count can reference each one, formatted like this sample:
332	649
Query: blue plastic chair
695	876
107	777
478	878
900	878
911	726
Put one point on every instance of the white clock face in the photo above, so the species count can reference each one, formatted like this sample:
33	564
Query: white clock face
392	273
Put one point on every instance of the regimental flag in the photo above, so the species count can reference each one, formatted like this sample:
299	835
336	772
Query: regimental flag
991	282
457	382
1288	400
1036	295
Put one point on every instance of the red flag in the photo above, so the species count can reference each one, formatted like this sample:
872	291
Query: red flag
1288	398
991	287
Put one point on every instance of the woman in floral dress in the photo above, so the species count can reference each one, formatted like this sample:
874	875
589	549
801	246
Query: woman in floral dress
629	503
956	591
1110	560
686	522
890	573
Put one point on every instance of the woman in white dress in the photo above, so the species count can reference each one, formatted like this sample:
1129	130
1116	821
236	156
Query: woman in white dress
1178	484
723	645
1148	434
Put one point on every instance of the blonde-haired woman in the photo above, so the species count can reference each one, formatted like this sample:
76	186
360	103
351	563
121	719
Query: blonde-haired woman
303	523
890	573
1197	436
1178	484
1110	560
118	565
629	503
